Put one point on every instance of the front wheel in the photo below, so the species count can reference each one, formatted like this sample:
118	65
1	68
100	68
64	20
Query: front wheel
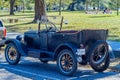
99	56
66	62
11	54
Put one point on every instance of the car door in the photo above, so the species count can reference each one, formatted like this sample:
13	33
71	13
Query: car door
54	39
35	40
43	40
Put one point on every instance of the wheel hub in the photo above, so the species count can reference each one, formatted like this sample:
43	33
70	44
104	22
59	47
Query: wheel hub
66	62
12	54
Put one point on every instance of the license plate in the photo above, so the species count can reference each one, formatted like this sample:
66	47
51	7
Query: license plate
80	52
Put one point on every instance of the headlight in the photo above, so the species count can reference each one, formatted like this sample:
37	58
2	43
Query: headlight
19	37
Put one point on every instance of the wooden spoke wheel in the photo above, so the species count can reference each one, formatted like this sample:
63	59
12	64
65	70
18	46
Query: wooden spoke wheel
11	54
66	62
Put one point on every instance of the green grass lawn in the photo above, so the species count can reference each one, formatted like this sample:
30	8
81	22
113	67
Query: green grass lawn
76	20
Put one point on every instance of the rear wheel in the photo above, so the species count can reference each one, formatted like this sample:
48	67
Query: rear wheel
99	56
11	54
66	62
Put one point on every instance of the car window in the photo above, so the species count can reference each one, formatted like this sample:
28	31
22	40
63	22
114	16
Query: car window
1	25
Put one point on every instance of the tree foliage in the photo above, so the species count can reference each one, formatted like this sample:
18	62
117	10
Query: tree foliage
65	5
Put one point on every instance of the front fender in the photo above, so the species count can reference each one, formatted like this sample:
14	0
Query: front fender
19	45
60	47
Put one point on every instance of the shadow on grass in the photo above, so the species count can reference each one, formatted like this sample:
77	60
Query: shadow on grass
24	16
17	16
8	26
14	28
4	15
101	16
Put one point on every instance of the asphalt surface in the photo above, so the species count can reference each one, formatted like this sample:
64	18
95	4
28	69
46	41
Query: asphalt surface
115	48
33	69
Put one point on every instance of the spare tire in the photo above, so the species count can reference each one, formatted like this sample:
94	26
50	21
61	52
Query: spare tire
99	56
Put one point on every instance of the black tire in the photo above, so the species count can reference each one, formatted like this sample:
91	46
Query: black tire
11	54
66	62
99	56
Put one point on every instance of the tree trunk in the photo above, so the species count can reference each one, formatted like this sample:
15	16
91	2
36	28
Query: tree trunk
12	7
23	6
86	6
117	7
39	10
60	4
98	5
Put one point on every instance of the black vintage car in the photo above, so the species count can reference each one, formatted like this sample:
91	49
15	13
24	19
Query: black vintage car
67	48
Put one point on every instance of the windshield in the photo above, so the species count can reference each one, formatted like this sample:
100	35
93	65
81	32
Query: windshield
1	24
51	22
56	21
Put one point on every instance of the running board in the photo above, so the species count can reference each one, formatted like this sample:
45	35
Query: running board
40	54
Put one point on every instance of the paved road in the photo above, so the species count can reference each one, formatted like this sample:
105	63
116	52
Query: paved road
33	69
115	48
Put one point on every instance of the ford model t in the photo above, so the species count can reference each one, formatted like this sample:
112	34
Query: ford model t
68	48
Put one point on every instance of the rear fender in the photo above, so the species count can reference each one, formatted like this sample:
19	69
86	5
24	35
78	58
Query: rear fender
69	46
19	45
111	53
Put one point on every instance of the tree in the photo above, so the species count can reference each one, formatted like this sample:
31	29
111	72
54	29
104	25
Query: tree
39	10
87	2
117	7
12	7
73	3
60	7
